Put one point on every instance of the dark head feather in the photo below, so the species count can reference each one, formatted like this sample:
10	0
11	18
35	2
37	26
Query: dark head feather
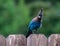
41	12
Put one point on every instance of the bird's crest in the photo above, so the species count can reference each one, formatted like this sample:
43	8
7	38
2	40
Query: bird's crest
41	12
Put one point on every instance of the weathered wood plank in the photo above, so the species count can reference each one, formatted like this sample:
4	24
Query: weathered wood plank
54	40
16	40
2	41
37	40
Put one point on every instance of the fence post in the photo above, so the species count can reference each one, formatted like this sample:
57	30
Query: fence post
37	40
16	40
54	40
2	40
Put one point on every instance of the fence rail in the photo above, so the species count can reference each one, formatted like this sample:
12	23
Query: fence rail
32	40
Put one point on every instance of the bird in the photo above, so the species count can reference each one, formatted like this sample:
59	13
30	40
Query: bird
35	23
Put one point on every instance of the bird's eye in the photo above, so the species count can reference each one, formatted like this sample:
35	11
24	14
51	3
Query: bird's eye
39	17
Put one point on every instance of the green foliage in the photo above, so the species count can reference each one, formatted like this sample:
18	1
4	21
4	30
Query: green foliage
15	16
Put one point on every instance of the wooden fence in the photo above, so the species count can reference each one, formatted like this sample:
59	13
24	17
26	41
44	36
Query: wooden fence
32	40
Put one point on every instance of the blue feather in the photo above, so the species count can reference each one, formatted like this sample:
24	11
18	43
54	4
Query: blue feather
34	25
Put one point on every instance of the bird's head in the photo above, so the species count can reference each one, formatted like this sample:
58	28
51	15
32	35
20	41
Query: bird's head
40	14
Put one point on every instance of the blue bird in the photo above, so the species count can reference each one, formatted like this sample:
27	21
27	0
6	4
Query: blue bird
35	23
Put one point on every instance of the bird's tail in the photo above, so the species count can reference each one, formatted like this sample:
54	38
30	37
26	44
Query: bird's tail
29	32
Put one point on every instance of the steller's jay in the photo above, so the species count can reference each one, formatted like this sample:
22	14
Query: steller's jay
35	23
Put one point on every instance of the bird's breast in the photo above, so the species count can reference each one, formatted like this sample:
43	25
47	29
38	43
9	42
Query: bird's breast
35	19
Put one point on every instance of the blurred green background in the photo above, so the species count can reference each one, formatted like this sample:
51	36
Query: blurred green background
15	16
